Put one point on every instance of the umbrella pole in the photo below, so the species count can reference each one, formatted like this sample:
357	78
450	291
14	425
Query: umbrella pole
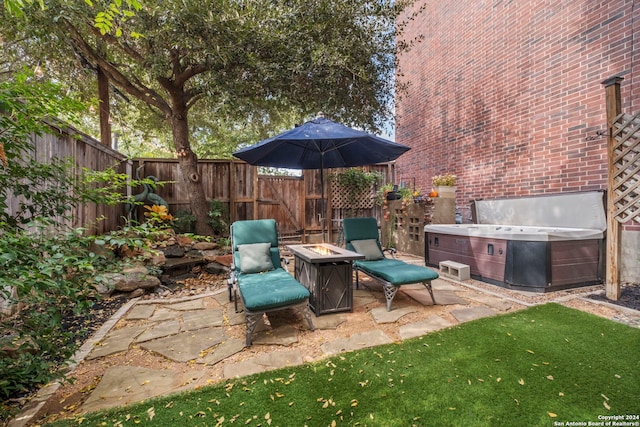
322	203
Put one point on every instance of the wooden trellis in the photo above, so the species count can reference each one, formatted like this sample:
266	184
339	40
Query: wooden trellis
626	167
339	199
623	186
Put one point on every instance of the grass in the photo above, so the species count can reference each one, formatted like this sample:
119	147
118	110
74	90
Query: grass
541	366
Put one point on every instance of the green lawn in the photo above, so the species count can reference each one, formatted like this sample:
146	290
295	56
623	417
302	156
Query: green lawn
542	366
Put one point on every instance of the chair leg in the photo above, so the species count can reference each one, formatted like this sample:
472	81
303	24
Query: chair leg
251	321
428	286
389	292
306	312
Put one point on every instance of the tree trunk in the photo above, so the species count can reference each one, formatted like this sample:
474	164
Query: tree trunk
188	162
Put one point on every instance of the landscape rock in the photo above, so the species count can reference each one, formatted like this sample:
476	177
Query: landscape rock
173	251
131	281
215	268
205	246
184	240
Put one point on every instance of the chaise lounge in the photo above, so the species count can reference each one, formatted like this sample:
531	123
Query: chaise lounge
257	274
361	235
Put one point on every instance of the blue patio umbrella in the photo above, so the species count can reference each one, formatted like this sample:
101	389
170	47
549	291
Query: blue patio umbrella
319	144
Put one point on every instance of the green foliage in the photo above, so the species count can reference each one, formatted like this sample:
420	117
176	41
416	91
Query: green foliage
45	268
356	182
527	368
49	271
184	222
42	189
218	217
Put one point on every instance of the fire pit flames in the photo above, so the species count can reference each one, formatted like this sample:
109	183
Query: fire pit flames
321	250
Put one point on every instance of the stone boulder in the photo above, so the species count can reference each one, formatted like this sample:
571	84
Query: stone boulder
205	246
129	280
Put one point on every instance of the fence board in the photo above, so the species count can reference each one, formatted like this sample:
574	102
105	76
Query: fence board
294	202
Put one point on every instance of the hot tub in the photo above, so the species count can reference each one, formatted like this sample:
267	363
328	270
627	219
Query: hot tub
540	244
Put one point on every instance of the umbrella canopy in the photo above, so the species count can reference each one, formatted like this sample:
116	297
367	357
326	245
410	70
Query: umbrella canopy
321	143
318	144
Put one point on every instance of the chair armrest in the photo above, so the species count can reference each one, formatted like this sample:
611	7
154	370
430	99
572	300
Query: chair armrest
285	264
392	251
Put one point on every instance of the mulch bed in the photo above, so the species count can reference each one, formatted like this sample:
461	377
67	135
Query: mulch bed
629	297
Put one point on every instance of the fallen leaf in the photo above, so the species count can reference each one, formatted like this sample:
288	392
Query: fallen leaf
552	415
550	377
606	405
151	412
531	351
354	403
521	381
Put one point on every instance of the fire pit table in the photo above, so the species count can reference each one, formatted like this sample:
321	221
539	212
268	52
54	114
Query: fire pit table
327	271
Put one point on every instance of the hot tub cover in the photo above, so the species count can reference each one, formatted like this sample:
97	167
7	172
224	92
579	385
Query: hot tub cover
567	216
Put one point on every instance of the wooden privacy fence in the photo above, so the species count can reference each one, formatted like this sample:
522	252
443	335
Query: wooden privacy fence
86	152
293	201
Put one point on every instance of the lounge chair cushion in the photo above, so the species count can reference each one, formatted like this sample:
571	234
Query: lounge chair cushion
255	257
369	248
397	272
271	289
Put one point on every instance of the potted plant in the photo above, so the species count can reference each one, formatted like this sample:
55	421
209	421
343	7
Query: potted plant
445	185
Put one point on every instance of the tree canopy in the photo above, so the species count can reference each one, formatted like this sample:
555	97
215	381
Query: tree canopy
262	63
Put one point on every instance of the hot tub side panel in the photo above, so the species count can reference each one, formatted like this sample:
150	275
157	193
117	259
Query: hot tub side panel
537	266
485	257
576	263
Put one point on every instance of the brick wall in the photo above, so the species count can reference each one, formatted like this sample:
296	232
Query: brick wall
507	94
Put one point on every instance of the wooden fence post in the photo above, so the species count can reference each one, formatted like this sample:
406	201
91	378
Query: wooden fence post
614	108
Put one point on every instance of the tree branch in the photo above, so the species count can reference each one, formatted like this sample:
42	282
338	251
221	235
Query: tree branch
141	91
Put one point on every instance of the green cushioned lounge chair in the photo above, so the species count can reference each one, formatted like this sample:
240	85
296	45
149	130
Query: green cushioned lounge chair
257	274
361	235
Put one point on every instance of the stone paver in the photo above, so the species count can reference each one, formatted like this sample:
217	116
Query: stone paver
192	320
449	298
443	285
186	346
282	335
264	362
196	304
123	385
160	330
141	311
362	297
472	313
491	301
381	315
163	313
222	351
116	341
433	323
356	342
233	318
329	321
